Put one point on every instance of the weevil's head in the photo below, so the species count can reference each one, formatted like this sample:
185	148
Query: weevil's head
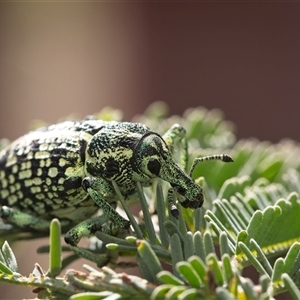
154	159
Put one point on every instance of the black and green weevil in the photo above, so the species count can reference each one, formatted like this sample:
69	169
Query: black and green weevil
66	171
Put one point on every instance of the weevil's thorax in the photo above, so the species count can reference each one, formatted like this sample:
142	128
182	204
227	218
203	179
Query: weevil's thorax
110	156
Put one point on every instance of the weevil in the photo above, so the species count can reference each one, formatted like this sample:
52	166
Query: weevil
66	171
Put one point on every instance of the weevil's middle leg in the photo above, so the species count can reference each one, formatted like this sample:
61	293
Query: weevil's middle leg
87	228
90	185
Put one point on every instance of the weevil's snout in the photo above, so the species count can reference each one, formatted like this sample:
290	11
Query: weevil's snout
154	159
194	197
196	203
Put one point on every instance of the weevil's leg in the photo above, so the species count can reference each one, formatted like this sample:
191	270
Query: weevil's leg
87	228
171	200
23	220
222	157
90	185
175	136
100	259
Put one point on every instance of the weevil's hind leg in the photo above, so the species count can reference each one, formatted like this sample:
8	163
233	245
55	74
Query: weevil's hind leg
221	157
100	259
174	137
23	220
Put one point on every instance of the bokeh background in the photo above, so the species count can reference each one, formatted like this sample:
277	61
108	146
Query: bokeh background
58	59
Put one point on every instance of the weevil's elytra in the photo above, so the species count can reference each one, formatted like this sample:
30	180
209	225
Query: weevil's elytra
66	171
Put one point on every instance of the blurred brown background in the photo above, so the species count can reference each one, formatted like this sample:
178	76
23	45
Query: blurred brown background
63	58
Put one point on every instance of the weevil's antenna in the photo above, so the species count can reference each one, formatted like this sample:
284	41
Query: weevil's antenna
222	157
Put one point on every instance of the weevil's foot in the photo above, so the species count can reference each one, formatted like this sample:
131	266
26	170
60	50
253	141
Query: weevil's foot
175	212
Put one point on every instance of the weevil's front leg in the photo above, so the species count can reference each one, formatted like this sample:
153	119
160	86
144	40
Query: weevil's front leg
175	136
171	201
92	185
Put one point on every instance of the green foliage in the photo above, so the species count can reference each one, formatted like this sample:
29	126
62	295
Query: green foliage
250	217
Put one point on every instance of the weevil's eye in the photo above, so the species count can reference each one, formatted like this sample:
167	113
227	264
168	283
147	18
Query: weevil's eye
154	166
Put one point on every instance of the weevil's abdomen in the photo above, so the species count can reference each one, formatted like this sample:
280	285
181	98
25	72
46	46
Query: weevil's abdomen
41	172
